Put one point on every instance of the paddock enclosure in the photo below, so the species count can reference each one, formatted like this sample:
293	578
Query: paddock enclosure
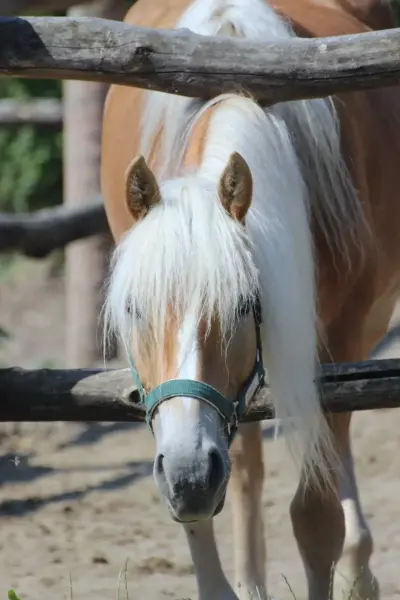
68	514
82	500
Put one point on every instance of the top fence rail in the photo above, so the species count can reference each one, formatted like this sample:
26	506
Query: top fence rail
181	62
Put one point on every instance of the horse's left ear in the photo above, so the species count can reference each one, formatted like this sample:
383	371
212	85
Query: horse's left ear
236	187
141	188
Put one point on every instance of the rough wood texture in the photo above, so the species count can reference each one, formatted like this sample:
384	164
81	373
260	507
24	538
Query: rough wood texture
62	395
38	234
95	395
44	112
181	62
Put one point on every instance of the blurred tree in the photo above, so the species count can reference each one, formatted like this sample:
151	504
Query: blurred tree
31	169
30	158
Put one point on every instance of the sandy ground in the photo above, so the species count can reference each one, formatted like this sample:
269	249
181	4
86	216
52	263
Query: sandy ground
78	500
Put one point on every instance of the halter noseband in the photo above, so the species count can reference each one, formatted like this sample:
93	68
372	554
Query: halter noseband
231	410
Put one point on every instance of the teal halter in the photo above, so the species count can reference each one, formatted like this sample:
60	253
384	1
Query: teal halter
231	410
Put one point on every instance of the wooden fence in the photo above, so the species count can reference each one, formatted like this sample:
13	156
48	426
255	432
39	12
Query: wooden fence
180	62
37	234
96	395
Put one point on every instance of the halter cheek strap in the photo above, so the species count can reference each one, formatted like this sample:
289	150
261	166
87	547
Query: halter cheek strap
231	410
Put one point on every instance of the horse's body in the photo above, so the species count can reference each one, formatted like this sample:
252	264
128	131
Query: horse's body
377	14
291	190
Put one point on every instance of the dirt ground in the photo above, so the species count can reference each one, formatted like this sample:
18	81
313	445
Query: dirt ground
78	500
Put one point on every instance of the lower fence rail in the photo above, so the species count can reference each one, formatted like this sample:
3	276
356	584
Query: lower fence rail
109	395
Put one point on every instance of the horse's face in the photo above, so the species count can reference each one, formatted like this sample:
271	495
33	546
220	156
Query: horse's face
192	464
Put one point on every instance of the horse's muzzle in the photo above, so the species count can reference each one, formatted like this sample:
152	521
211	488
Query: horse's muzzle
192	484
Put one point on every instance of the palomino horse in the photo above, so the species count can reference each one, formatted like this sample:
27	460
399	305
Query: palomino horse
250	236
377	14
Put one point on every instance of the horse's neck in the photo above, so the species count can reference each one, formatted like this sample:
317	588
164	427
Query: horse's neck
314	18
196	144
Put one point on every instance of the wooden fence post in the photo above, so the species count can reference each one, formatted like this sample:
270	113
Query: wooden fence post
86	261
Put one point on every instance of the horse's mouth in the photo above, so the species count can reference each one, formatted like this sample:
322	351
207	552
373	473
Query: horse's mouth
216	512
220	505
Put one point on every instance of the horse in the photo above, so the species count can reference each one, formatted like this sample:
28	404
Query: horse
377	14
252	241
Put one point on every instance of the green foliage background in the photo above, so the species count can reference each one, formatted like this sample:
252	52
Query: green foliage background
30	157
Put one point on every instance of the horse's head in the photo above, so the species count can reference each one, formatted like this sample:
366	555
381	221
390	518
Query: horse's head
191	323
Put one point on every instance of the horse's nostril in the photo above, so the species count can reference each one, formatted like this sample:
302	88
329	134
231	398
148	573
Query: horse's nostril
159	466
216	472
193	481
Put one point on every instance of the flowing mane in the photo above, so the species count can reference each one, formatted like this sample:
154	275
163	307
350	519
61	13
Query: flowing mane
189	250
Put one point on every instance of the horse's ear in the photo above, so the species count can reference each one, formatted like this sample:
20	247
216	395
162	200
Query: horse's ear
141	188
236	187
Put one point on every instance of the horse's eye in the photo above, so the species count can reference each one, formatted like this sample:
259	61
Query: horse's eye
133	310
244	307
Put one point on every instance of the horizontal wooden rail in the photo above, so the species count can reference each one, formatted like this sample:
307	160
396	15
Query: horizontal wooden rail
43	112
181	62
96	395
39	233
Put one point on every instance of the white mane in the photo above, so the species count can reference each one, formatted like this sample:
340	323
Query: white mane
312	124
188	249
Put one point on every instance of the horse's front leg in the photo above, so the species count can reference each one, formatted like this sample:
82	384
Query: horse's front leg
329	523
354	575
211	581
248	530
